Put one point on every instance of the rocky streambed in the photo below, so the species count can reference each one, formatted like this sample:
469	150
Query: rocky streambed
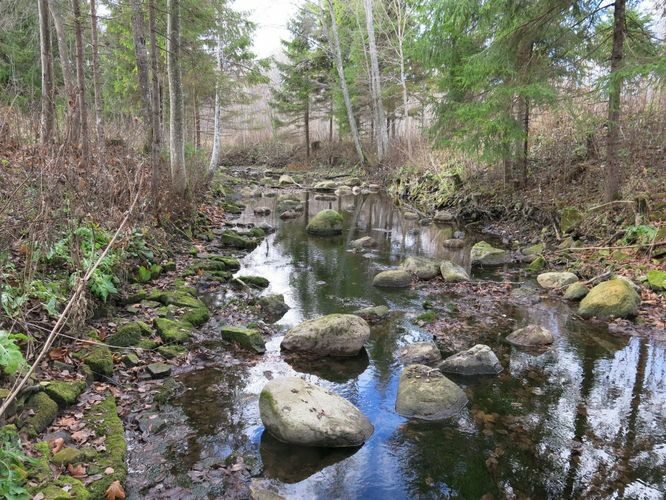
358	350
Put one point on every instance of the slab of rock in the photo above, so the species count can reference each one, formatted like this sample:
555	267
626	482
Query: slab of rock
159	370
478	360
576	291
245	337
325	197
398	278
443	216
421	267
289	214
484	254
325	223
611	299
286	180
373	314
262	211
325	186
425	393
453	243
453	272
273	307
423	353
410	215
556	279
365	242
343	191
531	336
297	412
331	335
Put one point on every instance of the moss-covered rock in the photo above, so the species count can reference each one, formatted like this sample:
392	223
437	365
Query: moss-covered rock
196	317
67	456
179	298
234	240
576	291
422	267
570	218
63	488
537	264
484	254
38	413
65	392
99	360
452	272
103	419
172	331
534	249
325	223
147	344
273	307
254	281
159	370
245	337
171	351
656	279
129	334
131	359
398	278
611	299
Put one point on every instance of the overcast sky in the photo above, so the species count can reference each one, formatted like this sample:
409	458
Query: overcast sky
271	17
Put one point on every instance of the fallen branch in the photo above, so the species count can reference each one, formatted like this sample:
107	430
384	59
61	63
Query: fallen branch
616	202
64	316
580	249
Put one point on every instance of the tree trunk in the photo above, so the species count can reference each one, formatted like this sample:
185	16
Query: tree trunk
57	8
156	125
141	54
614	107
99	123
306	122
197	123
217	127
81	83
176	138
330	119
523	148
335	46
375	87
47	115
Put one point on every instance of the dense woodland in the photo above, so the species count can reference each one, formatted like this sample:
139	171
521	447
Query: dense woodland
116	116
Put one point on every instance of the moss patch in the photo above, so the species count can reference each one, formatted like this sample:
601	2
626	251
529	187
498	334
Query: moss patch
173	331
171	351
99	360
657	279
196	317
129	334
325	223
245	337
38	413
254	281
235	240
65	392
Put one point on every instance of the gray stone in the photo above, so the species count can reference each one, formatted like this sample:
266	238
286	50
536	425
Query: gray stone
425	393
453	272
273	307
373	314
443	216
556	279
421	353
262	211
331	335
392	279
297	412
478	360
576	291
421	267
365	242
159	370
286	180
530	336
485	254
453	243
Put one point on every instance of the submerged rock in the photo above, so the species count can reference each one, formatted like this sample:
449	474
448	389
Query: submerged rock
398	278
273	307
325	223
556	279
611	299
453	272
485	254
576	291
245	337
332	335
478	360
297	412
365	242
530	336
425	393
423	268
373	314
420	353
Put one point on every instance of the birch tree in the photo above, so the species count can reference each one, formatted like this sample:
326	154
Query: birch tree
47	113
217	111
381	133
81	83
99	123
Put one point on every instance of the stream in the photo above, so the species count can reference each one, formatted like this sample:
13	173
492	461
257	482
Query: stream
585	418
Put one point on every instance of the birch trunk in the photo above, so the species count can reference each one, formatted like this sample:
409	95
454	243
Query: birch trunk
47	113
217	127
335	46
99	124
176	137
141	54
375	87
81	84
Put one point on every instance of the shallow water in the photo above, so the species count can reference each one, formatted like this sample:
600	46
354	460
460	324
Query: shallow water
584	418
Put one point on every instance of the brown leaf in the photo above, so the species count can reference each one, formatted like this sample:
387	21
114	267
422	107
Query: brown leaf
56	445
77	471
57	353
115	491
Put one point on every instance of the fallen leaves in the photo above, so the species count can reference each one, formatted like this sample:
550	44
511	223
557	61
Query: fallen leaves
77	471
115	491
56	445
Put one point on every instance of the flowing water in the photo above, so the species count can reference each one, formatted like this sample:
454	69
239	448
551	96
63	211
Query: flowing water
584	418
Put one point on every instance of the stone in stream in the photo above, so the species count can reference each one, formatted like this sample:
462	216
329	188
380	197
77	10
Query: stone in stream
253	281
286	180
373	314
159	370
343	191
325	186
410	215
398	278
478	360
172	331
420	353
425	393
297	412
325	197
245	337
353	181
453	273
325	223
273	307
453	243
556	279
421	267
530	336
485	254
262	211
365	242
286	202
425	221
331	335
576	291
443	216
374	187
614	298
234	240
290	214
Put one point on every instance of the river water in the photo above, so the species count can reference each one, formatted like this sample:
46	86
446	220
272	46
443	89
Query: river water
583	419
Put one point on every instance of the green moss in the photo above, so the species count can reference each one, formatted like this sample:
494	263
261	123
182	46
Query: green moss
65	392
256	232
103	419
235	240
67	456
427	317
38	413
131	359
99	359
325	223
245	337
179	298
657	279
196	317
537	265
173	331
129	334
254	281
171	351
62	488
168	390
614	298
147	344
570	218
